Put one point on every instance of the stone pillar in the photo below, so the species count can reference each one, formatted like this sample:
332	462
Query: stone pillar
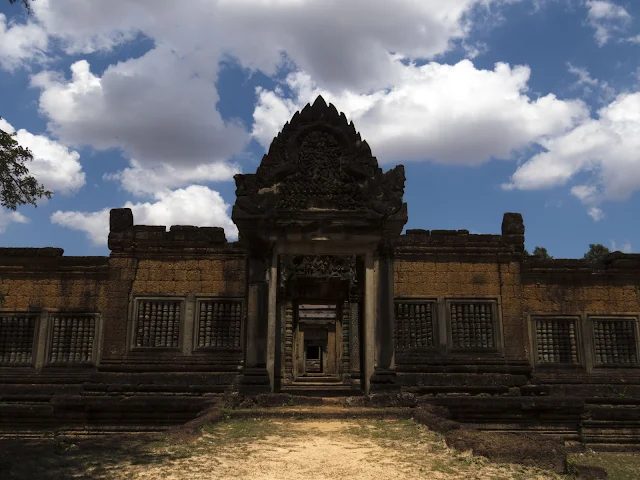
255	378
273	332
369	321
354	342
384	376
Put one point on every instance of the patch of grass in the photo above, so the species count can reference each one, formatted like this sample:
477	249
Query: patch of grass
233	431
393	430
619	466
442	466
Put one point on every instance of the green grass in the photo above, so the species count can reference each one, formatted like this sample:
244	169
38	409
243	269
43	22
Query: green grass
233	431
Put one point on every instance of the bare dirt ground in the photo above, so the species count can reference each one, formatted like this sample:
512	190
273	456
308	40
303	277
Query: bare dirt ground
262	449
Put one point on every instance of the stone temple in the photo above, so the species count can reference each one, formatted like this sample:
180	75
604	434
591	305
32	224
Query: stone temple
322	294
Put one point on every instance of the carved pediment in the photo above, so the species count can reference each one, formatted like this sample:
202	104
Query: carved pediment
318	162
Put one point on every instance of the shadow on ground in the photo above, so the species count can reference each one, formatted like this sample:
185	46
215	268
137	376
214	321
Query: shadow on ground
56	458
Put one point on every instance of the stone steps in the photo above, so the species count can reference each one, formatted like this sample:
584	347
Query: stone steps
321	389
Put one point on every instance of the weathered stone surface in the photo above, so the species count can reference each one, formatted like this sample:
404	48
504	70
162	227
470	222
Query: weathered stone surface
120	219
512	224
497	338
526	449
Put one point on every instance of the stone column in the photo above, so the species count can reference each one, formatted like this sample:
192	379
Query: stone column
255	378
273	324
354	342
384	376
369	322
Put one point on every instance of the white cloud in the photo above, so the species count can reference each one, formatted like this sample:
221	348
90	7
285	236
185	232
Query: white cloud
606	18
148	181
194	205
445	113
152	107
585	193
596	213
53	165
591	85
94	224
606	147
21	43
8	217
341	44
160	109
625	247
584	77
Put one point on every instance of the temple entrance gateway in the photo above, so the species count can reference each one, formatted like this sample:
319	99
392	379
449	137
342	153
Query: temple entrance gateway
320	220
316	322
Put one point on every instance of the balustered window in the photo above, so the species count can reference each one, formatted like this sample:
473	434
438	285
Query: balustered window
72	337
615	341
473	325
158	323
219	323
556	340
415	324
17	332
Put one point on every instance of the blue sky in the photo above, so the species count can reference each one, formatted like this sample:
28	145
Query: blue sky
529	106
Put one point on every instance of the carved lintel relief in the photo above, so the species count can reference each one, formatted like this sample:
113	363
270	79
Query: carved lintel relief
337	267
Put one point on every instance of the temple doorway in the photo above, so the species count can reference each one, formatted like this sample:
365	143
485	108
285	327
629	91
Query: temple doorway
319	322
317	346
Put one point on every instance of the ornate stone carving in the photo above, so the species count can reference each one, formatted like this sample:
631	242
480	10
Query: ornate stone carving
319	267
319	163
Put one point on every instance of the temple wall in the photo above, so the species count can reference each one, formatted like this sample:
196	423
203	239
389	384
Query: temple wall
183	278
583	324
50	308
459	324
473	280
54	289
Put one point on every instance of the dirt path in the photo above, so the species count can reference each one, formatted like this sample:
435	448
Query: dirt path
260	449
263	449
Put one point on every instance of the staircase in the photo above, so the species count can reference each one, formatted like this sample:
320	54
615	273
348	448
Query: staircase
319	385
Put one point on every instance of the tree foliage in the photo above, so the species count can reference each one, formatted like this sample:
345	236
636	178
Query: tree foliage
17	187
26	3
597	253
538	252
541	252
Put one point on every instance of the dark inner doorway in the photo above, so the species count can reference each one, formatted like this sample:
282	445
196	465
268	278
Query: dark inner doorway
313	360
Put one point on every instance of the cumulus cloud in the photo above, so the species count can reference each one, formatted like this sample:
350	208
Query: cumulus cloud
54	165
605	147
160	109
7	218
606	18
596	213
21	43
152	108
148	181
194	205
446	113
342	44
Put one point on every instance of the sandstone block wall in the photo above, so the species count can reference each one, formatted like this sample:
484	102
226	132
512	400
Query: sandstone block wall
50	308
457	268
583	323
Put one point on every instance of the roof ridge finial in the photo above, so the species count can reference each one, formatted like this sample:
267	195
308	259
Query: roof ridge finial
320	102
